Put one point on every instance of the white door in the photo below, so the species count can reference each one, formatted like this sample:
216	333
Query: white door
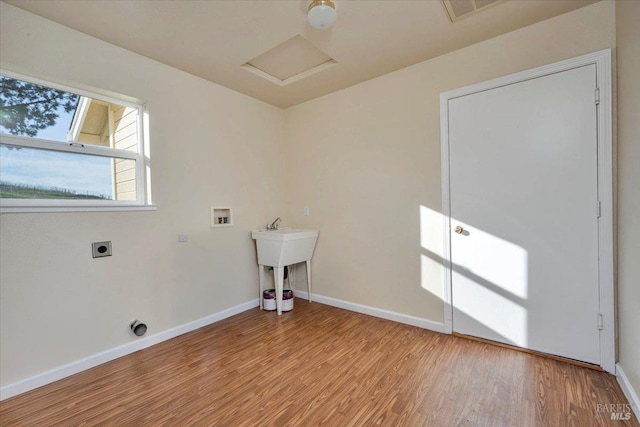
523	189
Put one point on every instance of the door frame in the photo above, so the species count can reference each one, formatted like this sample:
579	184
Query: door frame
602	60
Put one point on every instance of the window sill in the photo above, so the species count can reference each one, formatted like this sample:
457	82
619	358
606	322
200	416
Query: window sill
53	209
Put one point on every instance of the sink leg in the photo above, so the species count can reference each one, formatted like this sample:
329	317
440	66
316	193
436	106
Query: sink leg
261	282
309	278
278	278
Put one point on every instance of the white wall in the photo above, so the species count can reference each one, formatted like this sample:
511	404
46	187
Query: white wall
365	159
209	146
628	56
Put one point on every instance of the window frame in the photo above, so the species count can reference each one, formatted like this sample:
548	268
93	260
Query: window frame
141	158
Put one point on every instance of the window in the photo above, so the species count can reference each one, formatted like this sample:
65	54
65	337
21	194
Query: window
67	148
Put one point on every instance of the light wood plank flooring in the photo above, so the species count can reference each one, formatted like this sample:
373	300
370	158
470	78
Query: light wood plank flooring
319	365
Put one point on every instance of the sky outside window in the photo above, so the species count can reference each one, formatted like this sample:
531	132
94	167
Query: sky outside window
26	109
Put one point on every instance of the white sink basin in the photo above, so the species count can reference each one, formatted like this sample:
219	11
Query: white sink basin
287	246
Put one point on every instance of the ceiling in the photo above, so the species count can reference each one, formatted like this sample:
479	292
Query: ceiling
215	39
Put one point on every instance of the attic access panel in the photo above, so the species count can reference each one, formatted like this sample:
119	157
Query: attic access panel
460	8
290	61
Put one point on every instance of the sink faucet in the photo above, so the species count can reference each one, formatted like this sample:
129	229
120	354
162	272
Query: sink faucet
274	224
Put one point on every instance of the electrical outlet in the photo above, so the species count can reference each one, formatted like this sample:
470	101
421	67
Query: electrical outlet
101	249
305	211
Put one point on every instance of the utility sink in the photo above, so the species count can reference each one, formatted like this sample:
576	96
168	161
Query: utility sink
287	246
280	248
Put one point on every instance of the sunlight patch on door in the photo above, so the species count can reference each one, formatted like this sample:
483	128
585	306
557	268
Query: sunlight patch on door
500	262
489	290
501	315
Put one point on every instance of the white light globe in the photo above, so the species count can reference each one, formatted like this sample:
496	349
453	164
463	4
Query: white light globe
322	16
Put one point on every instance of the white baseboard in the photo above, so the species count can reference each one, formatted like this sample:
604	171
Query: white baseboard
56	374
628	390
376	312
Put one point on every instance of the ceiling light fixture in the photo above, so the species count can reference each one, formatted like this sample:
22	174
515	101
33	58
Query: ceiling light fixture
322	14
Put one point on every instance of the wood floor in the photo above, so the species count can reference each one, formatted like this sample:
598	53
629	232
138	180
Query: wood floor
319	365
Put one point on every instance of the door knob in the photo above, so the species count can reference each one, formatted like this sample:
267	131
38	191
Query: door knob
459	230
